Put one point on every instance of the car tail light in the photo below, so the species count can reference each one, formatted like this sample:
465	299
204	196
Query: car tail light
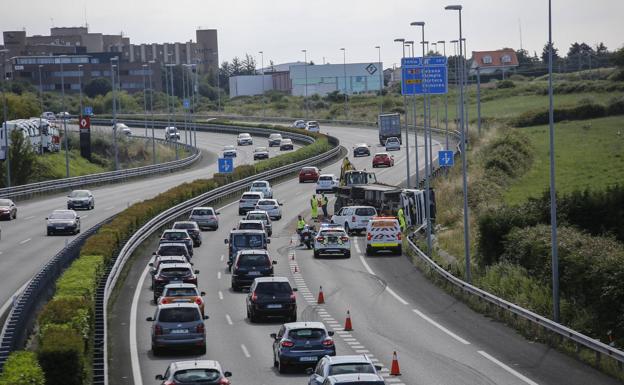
399	236
161	279
353	219
224	381
169	383
320	239
164	301
344	239
287	344
328	342
200	328
254	297
198	301
369	236
293	297
158	330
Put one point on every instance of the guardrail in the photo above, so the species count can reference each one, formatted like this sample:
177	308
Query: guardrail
100	362
104	177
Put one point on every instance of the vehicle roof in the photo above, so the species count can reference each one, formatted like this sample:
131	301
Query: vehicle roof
309	167
268	199
180	286
174	231
244	134
203	207
253	252
246	231
257	212
359	207
252	192
184	222
160	258
201	364
301	325
359	358
178	304
381	153
260	149
64	211
287	140
251	221
275	134
172	244
361	145
332	175
271	279
175	265
350	377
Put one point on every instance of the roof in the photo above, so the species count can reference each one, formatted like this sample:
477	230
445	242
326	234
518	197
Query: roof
360	358
253	252
178	304
180	286
257	212
503	58
337	379
171	257
207	364
301	325
175	265
172	243
272	279
247	231
251	220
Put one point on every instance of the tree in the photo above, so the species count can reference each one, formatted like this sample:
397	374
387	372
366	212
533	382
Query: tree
22	159
618	58
249	65
545	56
524	58
97	86
601	49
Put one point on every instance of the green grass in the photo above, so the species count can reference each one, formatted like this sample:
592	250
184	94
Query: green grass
589	155
53	165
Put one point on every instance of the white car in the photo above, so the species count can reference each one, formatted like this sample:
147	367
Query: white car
262	186
313	126
260	153
299	124
383	233
120	127
354	218
271	206
171	133
244	139
262	216
327	183
229	152
393	144
248	202
275	140
48	115
332	241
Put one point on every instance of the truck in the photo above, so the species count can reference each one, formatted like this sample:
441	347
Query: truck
389	126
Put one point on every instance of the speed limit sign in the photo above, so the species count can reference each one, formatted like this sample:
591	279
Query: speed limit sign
85	123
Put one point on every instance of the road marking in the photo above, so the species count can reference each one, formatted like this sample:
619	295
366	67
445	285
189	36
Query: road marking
222	258
445	330
220	295
25	241
219	275
109	208
388	289
29	217
507	368
9	303
357	247
228	319
134	351
83	216
245	351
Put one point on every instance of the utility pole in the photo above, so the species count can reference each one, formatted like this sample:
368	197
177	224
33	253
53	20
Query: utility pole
381	82
5	124
407	165
305	100
344	67
152	112
445	100
114	113
61	58
41	106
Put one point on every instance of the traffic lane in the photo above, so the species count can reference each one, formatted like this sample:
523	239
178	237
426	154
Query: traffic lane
25	247
537	361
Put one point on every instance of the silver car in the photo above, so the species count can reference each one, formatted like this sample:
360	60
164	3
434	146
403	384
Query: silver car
262	186
261	216
63	221
178	325
248	202
194	372
393	144
271	206
206	217
80	199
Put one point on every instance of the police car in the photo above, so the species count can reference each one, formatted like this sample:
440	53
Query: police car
383	233
332	240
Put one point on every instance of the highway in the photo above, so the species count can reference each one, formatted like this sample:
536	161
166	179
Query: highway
393	307
25	248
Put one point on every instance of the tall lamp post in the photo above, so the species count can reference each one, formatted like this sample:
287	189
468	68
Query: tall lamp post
421	24
463	147
305	100
344	67
40	106
152	111
456	75
113	66
443	42
381	82
5	117
407	164
144	68
80	66
263	100
62	58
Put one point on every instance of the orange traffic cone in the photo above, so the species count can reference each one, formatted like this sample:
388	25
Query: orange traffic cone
321	297
348	326
394	369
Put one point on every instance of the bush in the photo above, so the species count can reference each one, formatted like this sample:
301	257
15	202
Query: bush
505	84
62	355
97	86
582	111
81	278
22	368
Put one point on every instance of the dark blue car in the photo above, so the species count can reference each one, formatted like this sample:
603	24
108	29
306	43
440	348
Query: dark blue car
301	344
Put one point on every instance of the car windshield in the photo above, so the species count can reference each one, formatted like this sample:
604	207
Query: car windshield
365	211
253	260
181	292
306	334
5	202
308	169
257	216
357	178
332	233
260	149
79	194
286	141
244	136
250	226
175	235
172	250
273	287
250	196
325	178
392	140
62	215
259	184
196	376
169	261
179	314
172	272
348	368
248	240
265	202
202	212
185	226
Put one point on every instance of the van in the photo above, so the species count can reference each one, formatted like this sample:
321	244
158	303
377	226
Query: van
383	233
245	240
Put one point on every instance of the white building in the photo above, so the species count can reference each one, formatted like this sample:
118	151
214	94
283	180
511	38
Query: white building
325	78
247	85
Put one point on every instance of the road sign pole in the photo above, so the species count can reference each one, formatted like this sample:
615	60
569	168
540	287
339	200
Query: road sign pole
479	100
405	108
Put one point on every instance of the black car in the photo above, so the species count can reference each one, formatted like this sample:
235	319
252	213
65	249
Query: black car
301	344
167	249
178	236
249	265
192	228
158	260
271	297
80	199
8	209
361	149
63	221
173	273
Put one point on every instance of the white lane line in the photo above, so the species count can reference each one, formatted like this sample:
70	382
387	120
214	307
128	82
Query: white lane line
219	275
445	330
388	289
29	217
25	241
228	319
220	295
507	368
357	247
222	258
9	303
134	351
108	208
83	216
245	351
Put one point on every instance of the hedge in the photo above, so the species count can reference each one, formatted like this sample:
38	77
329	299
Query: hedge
581	111
66	322
22	368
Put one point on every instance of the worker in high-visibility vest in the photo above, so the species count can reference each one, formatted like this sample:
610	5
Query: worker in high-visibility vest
314	206
324	203
401	216
301	224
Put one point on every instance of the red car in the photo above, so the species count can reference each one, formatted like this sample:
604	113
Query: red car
383	159
309	174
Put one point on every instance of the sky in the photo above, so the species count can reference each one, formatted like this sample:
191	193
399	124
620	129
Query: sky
282	28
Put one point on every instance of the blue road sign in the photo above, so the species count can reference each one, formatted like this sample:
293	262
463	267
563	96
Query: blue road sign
187	103
88	110
445	158
226	165
424	76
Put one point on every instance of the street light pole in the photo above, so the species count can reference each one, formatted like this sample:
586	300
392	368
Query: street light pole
305	100
173	105
62	57
113	66
381	82
456	75
263	100
344	67
144	67
41	106
152	112
5	117
463	149
183	107
407	164
80	86
445	98
553	195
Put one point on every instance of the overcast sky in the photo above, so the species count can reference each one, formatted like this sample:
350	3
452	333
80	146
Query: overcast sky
282	28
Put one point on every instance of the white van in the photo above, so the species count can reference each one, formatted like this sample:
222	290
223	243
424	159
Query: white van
354	218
